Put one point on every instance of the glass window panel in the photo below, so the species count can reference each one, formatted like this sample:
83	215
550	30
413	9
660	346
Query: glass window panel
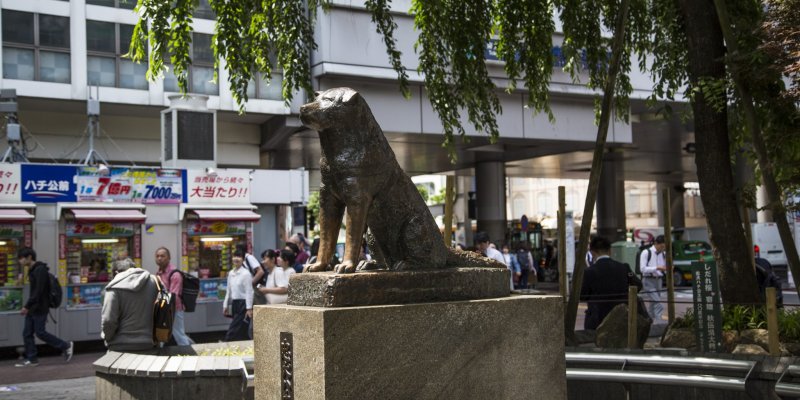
132	75
54	67
18	64
107	3
201	48
128	4
125	34
204	10
101	71
201	81
17	27
100	36
170	81
251	89
53	31
271	91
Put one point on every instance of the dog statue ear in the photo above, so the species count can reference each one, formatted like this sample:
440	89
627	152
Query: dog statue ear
349	96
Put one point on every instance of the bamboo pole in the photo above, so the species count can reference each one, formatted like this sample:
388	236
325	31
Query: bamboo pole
668	249
562	242
618	42
449	199
632	317
748	235
772	323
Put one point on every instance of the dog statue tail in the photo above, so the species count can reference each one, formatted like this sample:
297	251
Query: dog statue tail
467	259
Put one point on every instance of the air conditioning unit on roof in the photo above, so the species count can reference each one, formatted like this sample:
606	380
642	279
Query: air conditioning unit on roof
188	133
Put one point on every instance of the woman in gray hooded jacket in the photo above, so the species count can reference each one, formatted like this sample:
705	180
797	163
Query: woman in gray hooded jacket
127	323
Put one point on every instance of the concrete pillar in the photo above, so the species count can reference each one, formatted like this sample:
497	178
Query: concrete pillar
677	212
490	185
611	198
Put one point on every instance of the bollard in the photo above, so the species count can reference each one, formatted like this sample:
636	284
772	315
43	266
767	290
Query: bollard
670	280
562	242
632	317
772	323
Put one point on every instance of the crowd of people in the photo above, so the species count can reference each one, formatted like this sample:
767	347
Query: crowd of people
128	313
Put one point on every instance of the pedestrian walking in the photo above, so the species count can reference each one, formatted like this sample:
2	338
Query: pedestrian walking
173	284
238	303
36	310
653	263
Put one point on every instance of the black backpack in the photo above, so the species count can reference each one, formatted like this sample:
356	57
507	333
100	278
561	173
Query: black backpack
54	293
163	313
253	270
191	287
522	258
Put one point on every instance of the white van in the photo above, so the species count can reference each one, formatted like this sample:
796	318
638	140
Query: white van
767	243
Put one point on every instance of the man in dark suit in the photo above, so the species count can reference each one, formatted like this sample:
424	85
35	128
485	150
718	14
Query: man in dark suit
605	283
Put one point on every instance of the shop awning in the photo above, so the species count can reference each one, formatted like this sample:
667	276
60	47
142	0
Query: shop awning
227	215
15	215
107	215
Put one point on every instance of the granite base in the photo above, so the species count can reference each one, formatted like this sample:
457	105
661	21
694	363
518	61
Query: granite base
506	348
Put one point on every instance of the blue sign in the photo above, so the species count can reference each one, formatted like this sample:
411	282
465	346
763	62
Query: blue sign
48	183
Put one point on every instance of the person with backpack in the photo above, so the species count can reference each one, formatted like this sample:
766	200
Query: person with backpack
525	261
238	303
173	282
127	317
45	294
653	265
251	263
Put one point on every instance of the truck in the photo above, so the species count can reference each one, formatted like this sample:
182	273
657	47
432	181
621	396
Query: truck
767	243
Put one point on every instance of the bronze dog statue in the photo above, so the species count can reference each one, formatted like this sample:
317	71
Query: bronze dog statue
360	173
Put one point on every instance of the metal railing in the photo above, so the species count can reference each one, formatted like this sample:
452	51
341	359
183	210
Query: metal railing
621	368
788	388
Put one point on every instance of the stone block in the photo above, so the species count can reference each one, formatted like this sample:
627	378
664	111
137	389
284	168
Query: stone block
327	289
505	348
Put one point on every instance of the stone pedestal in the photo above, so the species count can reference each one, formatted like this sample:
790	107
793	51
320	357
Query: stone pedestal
505	348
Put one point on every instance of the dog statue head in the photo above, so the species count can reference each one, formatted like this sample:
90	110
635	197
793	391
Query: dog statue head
329	108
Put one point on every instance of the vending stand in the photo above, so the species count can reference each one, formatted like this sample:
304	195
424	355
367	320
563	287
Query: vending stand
15	232
92	239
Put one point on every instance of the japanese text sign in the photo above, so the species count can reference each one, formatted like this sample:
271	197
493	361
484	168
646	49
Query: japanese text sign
48	183
149	186
707	308
231	186
10	183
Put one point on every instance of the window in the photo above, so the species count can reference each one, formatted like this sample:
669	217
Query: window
35	47
204	10
128	4
201	71
261	87
269	87
106	43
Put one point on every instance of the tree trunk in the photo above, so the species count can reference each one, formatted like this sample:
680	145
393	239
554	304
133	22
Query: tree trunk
768	177
713	159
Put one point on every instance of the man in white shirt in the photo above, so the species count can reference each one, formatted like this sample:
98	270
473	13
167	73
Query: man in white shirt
653	263
484	246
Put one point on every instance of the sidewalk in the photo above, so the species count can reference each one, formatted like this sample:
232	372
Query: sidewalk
50	368
65	389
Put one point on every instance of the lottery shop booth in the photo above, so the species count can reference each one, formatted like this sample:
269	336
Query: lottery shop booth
91	237
217	217
16	231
